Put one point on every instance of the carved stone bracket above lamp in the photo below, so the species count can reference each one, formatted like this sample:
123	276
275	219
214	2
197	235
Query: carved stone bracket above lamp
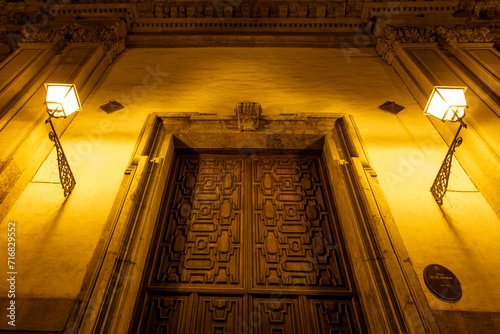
111	36
393	37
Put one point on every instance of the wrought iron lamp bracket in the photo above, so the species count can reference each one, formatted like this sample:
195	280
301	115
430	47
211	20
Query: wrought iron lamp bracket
65	174
440	185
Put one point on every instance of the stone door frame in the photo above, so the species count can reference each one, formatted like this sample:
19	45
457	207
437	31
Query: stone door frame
390	294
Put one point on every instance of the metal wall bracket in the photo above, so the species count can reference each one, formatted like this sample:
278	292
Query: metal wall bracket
438	188
65	175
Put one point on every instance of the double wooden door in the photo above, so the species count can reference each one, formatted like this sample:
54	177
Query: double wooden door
248	243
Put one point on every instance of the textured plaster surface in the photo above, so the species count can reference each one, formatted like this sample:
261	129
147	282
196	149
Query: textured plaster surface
57	236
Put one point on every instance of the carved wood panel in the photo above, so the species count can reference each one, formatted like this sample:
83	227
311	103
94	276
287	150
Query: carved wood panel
200	244
247	244
166	314
293	231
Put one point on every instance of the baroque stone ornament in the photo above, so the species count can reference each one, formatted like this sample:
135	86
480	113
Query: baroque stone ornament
344	20
112	37
393	37
483	9
12	12
444	36
248	115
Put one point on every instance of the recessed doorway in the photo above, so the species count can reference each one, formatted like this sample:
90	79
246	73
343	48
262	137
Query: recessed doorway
248	243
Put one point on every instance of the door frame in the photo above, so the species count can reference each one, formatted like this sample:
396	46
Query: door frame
391	297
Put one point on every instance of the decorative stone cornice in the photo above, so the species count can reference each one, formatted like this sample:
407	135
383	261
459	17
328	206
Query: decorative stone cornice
112	37
305	23
238	8
392	37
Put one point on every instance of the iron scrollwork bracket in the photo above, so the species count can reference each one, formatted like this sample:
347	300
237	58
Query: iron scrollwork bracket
440	185
65	175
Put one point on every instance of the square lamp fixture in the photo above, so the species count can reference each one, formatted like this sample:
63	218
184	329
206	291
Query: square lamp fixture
447	103
61	100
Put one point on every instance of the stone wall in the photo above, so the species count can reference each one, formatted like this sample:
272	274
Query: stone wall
60	241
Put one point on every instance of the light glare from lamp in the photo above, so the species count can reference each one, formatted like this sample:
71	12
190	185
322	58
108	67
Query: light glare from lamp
61	99
447	103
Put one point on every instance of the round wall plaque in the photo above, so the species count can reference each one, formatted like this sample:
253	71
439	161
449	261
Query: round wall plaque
442	282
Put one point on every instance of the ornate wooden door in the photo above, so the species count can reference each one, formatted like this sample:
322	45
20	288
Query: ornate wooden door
248	244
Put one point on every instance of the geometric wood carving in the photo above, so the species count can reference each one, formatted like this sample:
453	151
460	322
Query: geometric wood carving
201	243
294	237
248	244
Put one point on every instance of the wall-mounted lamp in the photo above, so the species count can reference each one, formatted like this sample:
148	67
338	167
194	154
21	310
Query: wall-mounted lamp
61	101
447	104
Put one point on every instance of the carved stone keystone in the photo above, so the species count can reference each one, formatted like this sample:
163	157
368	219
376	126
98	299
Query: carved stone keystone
248	115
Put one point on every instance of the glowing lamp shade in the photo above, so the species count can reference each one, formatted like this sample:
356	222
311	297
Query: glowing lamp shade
61	100
447	103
